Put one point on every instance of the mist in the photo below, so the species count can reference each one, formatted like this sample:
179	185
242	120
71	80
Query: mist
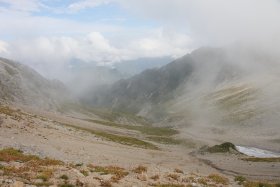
75	51
181	27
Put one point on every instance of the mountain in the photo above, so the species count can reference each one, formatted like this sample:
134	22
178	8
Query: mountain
22	85
84	79
155	86
133	67
214	86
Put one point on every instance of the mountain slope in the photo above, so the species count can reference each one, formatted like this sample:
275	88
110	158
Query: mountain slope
210	86
156	86
22	85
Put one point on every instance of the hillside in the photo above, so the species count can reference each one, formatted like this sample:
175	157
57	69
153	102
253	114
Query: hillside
22	85
157	86
210	87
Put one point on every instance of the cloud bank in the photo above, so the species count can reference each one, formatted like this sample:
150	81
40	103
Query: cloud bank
47	37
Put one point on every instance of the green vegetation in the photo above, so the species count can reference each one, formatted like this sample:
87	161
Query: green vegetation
169	185
64	177
79	164
14	114
259	184
218	179
255	159
155	177
106	114
117	172
173	176
125	140
235	101
84	172
178	171
140	169
66	185
105	184
240	179
43	184
165	140
32	167
149	130
11	154
45	175
222	148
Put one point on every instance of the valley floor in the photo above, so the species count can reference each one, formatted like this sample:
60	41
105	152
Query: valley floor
95	154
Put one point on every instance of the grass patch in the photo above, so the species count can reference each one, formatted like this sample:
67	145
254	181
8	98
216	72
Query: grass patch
255	159
169	185
145	129
106	114
125	140
140	169
66	185
43	184
218	179
155	177
222	148
33	166
173	176
260	184
11	154
14	114
105	184
117	172
240	179
64	177
84	172
45	175
165	140
178	171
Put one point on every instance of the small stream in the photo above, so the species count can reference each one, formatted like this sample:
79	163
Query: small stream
256	152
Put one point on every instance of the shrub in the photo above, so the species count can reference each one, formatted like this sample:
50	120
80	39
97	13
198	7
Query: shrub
65	177
140	169
240	179
218	179
222	148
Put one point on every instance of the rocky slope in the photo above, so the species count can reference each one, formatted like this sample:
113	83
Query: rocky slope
230	86
22	85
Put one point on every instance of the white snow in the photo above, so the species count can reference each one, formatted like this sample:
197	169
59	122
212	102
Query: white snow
256	152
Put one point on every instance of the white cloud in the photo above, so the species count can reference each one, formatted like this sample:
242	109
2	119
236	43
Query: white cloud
3	47
80	5
49	55
215	21
48	43
23	5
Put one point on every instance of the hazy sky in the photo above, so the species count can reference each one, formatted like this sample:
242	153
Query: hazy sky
47	34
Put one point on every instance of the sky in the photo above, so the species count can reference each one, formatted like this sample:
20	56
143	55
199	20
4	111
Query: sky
48	34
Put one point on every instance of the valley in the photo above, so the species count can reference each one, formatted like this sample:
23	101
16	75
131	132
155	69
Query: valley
84	142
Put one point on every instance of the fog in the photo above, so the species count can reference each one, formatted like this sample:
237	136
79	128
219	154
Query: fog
55	44
181	26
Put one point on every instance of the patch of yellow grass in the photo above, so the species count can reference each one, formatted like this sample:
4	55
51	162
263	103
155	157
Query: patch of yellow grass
173	176
155	177
117	172
178	171
140	169
218	179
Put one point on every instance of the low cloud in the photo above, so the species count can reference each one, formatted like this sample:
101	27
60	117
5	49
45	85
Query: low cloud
49	55
80	5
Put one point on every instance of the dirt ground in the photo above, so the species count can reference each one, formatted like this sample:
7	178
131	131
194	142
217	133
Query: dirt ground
46	135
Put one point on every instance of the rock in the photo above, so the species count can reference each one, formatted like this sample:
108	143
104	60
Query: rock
18	184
